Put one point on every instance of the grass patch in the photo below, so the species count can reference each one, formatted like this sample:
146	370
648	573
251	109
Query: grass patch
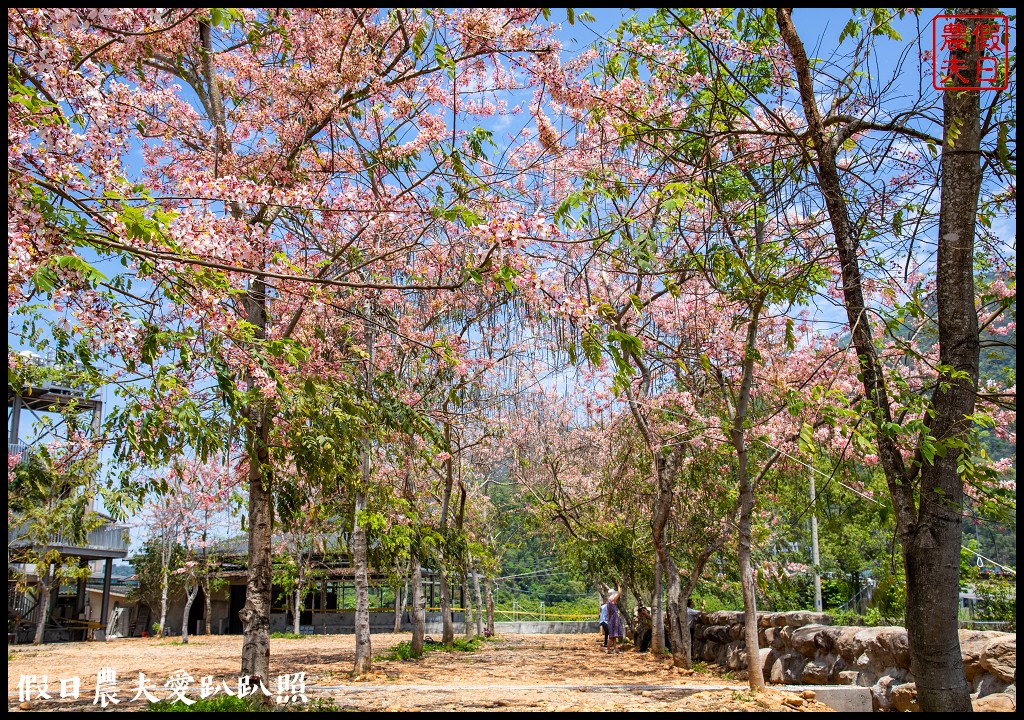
403	650
288	636
218	703
327	704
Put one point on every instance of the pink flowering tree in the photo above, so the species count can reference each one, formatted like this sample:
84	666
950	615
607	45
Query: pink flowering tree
183	521
286	178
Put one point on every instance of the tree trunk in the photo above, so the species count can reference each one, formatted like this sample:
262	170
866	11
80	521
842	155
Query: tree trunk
400	594
657	610
298	609
479	603
208	604
364	657
931	547
364	651
755	673
447	628
44	606
417	602
191	591
165	580
467	607
679	632
666	467
489	594
255	615
419	615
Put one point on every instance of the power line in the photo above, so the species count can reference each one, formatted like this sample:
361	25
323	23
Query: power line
814	469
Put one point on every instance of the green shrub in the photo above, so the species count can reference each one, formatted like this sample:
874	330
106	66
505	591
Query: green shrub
288	636
997	601
890	598
403	650
217	703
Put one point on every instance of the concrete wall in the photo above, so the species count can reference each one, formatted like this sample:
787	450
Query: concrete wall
546	627
343	622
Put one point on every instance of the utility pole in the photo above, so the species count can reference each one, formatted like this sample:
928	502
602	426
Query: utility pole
814	546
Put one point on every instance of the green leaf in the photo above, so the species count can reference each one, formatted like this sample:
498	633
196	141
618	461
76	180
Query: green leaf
1003	150
418	41
852	29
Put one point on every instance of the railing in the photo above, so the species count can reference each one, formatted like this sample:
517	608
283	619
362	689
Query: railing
23	603
518	614
18	448
1002	625
105	537
862	597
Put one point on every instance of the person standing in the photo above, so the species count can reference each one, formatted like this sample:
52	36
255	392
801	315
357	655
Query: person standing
602	620
614	621
691	615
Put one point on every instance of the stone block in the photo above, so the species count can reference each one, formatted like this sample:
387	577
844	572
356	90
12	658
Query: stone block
764	620
815	673
844	640
1000	702
972	643
848	677
736	656
881	693
885	646
725	617
767	657
709	652
999	657
803	640
988	684
717	634
789	668
798	618
834	663
904	698
839	698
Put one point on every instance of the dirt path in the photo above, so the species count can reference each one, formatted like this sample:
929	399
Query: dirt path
514	672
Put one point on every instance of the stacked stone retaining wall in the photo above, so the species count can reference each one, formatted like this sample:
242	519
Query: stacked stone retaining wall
805	648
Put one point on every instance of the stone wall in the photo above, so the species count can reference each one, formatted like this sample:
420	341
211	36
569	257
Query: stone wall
804	648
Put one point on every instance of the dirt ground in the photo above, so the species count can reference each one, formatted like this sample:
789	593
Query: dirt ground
509	673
